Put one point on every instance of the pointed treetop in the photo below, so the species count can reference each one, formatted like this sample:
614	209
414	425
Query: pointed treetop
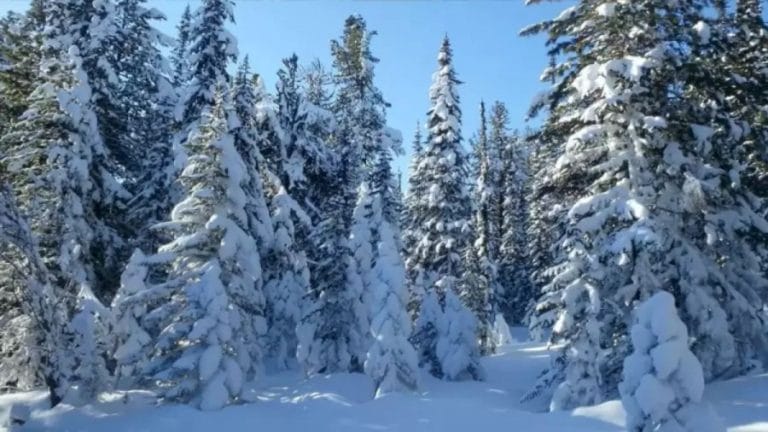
243	71
446	53
417	147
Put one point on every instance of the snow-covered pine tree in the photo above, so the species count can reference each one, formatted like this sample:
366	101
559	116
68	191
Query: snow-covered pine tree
333	327
479	281
546	198
305	128
663	382
515	259
321	124
307	164
243	124
391	360
209	343
102	47
660	205
130	306
20	50
147	89
411	233
457	349
56	166
75	32
295	135
442	217
333	334
35	330
286	280
180	52
360	111
317	82
211	49
363	238
741	55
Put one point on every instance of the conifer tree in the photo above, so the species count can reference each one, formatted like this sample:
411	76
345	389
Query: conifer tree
661	200
479	282
514	254
147	90
663	382
56	165
334	330
211	48
20	53
305	127
180	54
391	359
209	342
413	197
442	217
36	332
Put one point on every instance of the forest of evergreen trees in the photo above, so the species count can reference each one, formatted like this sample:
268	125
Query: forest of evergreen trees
167	225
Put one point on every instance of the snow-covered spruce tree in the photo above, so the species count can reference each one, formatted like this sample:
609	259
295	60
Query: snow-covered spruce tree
35	332
180	53
363	238
20	50
659	206
479	281
147	90
316	84
130	305
211	49
243	123
725	220
546	198
741	58
391	360
55	164
75	32
209	345
333	335
663	382
286	279
104	46
360	111
317	93
456	348
305	128
515	259
411	229
443	218
333	328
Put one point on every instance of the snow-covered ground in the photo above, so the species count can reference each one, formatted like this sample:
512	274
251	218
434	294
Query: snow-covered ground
339	403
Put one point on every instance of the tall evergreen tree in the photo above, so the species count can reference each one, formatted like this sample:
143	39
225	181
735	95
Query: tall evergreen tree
360	110
211	49
35	333
334	329
662	200
515	256
391	360
20	53
58	167
147	90
305	126
206	345
180	54
479	282
442	216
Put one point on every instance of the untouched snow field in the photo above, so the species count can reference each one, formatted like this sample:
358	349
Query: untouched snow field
341	403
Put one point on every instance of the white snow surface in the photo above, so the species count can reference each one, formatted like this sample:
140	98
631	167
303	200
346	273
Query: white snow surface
288	402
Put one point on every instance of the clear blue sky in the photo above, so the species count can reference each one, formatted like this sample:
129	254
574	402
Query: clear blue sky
492	60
